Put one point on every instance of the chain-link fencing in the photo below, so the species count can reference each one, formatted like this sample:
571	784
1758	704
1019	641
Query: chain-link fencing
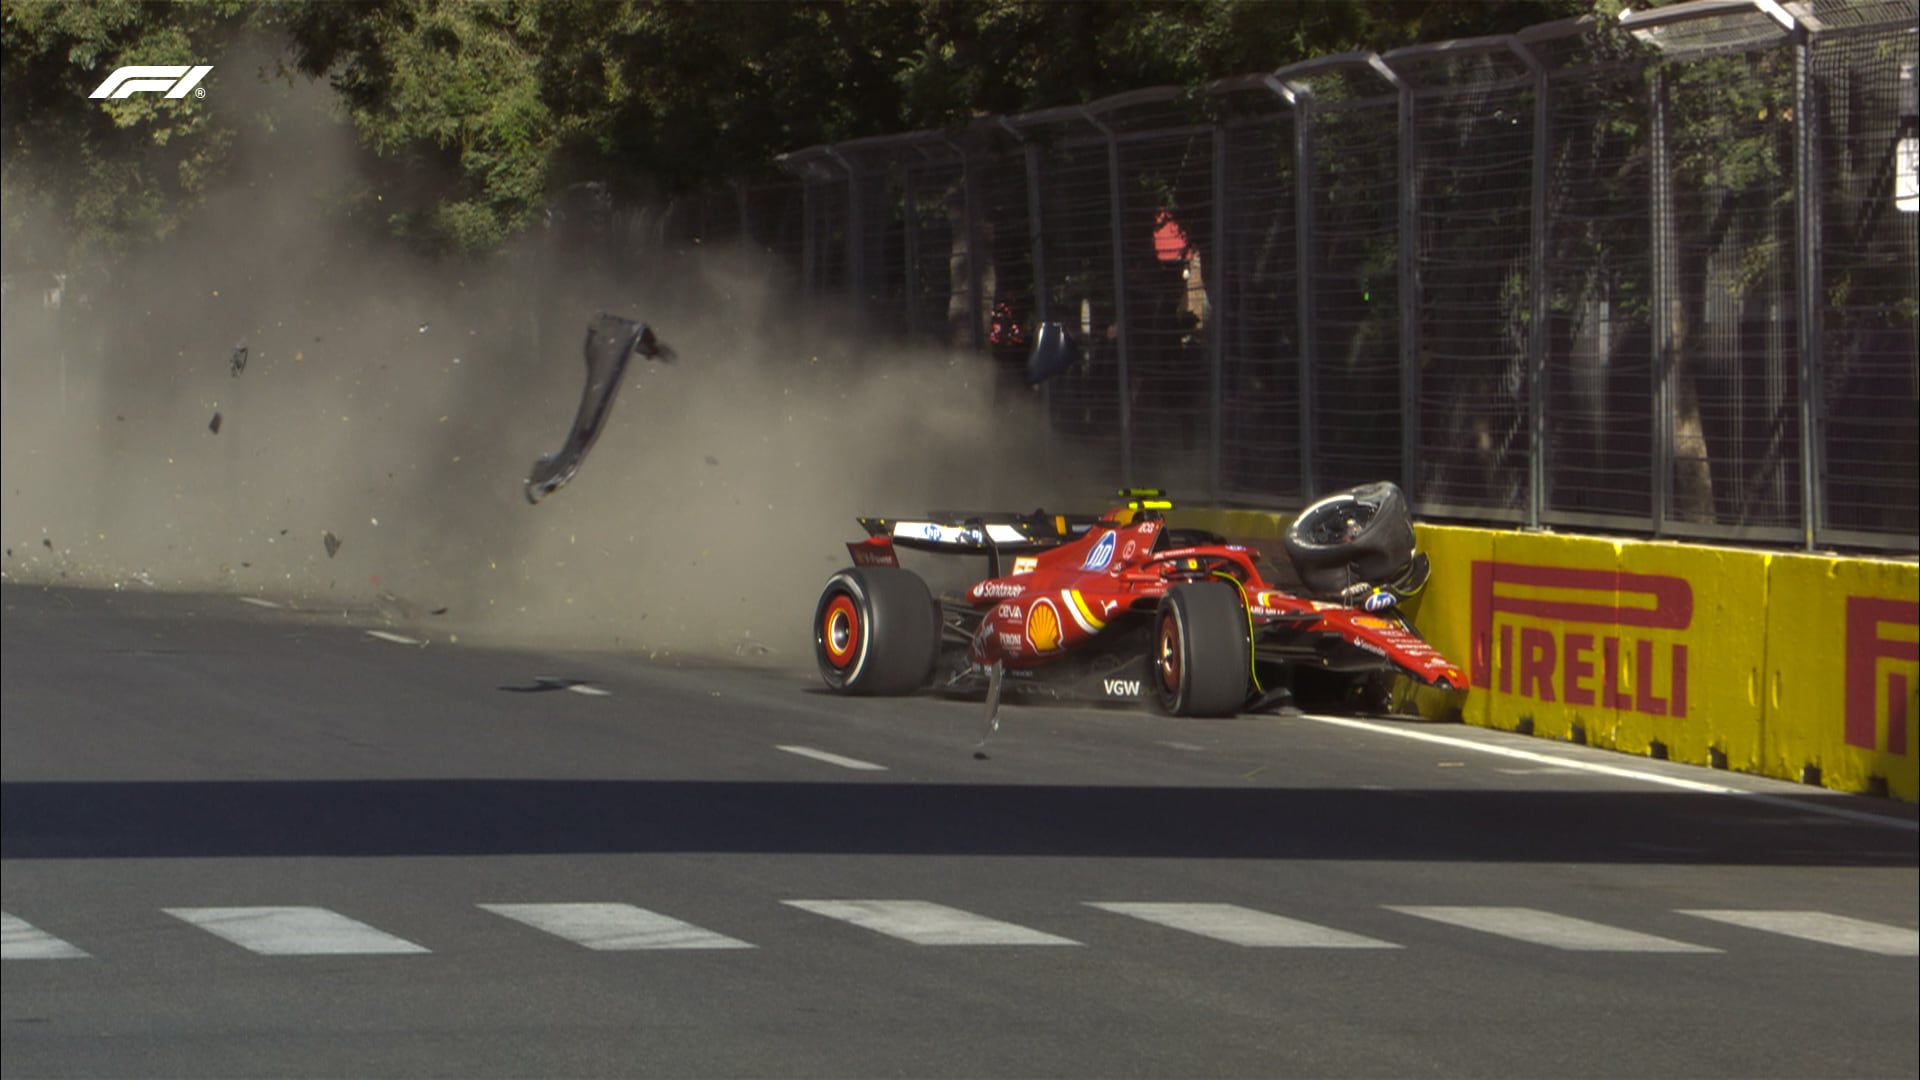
1656	275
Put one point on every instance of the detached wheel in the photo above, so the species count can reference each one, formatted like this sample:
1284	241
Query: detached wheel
876	631
1201	653
1363	534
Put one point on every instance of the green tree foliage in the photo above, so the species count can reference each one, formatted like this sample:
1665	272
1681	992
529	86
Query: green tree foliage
118	172
451	97
477	110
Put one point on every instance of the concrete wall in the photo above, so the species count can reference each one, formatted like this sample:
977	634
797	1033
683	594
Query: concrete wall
1802	667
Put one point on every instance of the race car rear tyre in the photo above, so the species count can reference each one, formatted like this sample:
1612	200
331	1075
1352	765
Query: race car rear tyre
1363	534
1201	653
876	631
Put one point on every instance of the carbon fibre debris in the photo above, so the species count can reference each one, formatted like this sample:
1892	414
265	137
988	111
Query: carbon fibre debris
611	343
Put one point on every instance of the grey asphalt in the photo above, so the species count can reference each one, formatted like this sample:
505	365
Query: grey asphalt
190	751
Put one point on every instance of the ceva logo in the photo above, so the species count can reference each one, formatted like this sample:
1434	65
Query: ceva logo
173	80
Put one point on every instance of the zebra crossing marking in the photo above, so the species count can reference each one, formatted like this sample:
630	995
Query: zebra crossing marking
1238	925
1545	928
1819	926
614	927
924	923
21	940
621	927
294	931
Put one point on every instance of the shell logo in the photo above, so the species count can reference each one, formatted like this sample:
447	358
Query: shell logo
1043	626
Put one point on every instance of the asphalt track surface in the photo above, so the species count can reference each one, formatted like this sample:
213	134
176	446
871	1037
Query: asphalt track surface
240	842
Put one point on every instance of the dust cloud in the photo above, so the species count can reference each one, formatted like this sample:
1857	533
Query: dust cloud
396	404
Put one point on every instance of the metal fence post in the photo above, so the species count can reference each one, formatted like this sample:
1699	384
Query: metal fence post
910	240
1037	237
1409	274
809	246
1300	99
1661	324
1216	315
856	231
1114	208
1540	292
970	177
1808	289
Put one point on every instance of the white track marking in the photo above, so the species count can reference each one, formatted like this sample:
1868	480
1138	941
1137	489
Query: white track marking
925	923
1546	928
615	927
21	940
832	759
294	931
1244	926
1795	805
1826	929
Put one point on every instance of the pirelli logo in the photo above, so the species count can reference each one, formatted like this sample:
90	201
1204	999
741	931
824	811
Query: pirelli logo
1883	658
1611	641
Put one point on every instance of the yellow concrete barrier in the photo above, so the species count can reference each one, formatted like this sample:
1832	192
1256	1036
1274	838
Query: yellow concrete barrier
1842	673
1799	667
1440	611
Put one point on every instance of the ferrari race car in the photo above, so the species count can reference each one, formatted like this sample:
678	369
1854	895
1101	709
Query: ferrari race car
1121	606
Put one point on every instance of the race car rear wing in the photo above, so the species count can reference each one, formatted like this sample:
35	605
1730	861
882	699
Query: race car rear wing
950	533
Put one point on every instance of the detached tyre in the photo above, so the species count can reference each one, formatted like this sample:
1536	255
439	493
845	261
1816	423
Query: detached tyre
876	631
1363	534
1201	652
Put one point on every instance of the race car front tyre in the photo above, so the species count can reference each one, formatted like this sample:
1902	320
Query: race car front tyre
1201	654
1363	534
876	631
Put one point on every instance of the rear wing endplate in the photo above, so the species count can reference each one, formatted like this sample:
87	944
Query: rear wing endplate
991	535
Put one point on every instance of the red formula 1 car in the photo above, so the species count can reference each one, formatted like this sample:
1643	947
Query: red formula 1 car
1123	606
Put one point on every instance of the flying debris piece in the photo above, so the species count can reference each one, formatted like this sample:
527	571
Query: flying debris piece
711	460
258	602
611	343
238	363
214	424
996	679
424	327
746	646
578	686
397	639
332	542
543	683
438	611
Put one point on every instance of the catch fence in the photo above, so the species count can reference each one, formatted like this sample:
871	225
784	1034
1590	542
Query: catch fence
1655	275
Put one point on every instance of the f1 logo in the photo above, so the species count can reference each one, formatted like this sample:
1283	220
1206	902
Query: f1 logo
173	80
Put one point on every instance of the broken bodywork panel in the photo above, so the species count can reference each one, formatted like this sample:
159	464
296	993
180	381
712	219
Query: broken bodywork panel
611	343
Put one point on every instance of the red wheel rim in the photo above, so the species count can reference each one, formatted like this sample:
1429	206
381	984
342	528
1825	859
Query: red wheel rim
1168	659
840	631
